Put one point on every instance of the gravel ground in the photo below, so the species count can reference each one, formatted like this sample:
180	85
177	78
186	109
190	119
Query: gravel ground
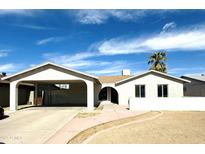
171	127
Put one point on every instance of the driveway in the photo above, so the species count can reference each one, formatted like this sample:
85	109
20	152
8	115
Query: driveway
35	124
170	127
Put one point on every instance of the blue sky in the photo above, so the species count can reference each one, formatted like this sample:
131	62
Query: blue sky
102	42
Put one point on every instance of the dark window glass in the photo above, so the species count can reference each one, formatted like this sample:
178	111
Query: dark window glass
165	91
142	90
137	91
159	90
162	90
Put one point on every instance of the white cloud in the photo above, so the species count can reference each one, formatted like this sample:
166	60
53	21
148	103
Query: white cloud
68	57
32	27
85	64
21	12
168	26
49	40
92	16
4	52
78	60
10	67
113	68
192	39
186	70
81	61
101	16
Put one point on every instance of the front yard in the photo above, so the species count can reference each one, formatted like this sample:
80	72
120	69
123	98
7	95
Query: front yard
169	127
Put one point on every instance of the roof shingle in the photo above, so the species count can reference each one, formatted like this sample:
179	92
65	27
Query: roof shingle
112	79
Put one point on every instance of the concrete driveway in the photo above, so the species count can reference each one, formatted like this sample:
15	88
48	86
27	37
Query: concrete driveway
35	124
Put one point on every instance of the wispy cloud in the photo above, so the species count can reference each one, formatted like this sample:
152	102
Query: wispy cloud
77	60
186	70
168	26
9	68
68	57
84	61
49	40
4	52
113	68
19	12
35	27
102	16
190	39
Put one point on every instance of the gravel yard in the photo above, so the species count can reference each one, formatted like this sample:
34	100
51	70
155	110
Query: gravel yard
170	127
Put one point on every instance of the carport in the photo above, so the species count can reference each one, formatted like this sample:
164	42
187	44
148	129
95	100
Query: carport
55	85
61	93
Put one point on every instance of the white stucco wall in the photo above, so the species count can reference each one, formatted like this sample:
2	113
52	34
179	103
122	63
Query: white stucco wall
97	89
50	75
172	103
127	90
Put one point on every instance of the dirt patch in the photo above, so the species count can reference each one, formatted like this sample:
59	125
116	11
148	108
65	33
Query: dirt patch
85	114
173	127
91	131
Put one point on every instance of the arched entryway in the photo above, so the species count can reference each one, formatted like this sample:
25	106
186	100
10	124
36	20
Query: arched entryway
108	94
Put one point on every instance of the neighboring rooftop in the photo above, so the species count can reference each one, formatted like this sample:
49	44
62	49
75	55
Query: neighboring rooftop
196	77
113	79
2	81
1	76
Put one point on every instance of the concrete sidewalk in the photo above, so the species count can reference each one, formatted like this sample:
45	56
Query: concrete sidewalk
109	112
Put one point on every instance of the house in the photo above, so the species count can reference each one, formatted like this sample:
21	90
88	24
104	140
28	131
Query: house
146	85
24	91
196	87
58	85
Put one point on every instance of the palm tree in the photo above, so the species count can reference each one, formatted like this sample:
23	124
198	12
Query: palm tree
157	61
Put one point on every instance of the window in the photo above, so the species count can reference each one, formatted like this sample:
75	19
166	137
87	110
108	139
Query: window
162	90
140	91
63	86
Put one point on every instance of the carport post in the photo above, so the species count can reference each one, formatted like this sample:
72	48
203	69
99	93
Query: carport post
90	95
13	96
35	94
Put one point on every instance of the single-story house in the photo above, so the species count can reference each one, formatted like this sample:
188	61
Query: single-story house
196	87
58	85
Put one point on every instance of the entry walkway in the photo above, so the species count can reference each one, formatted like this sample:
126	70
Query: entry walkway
104	113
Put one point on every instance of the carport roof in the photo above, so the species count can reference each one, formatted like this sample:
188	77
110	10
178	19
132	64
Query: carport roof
48	63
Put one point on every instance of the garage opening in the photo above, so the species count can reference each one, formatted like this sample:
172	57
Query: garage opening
62	94
55	93
108	94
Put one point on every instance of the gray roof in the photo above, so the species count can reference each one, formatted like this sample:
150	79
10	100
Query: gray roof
195	77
